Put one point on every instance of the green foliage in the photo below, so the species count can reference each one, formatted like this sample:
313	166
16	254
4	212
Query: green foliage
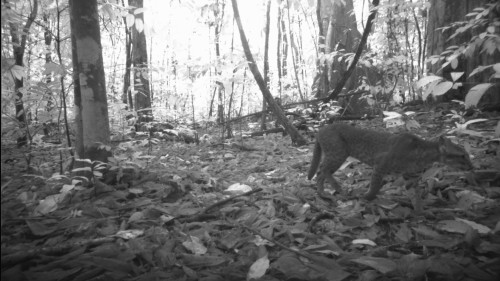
484	25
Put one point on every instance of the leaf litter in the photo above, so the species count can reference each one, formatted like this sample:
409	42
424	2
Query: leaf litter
243	211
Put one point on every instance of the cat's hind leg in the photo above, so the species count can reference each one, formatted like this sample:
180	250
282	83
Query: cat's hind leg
332	160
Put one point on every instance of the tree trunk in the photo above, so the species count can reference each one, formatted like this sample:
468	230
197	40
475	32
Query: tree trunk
321	81
338	88
90	92
443	13
211	109
243	91
141	67
47	36
19	46
294	54
266	63
278	49
62	79
126	93
297	138
151	90
218	11
284	47
232	94
342	33
221	90
299	51
420	37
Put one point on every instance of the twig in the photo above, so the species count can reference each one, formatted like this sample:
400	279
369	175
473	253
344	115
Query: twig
5	185
222	202
204	215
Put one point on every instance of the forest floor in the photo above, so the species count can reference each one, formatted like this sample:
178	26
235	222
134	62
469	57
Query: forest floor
177	213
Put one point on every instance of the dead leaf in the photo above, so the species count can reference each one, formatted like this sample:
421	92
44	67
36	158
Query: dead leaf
40	229
383	265
194	245
404	233
258	268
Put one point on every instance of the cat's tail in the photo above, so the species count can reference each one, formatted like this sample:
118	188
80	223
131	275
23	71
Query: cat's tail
315	161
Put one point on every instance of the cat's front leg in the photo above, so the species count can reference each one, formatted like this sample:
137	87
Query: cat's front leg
375	184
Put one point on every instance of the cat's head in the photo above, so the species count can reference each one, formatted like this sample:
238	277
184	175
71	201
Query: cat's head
454	155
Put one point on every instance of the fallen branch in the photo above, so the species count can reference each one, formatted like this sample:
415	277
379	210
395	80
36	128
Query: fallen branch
290	105
222	202
270	131
205	214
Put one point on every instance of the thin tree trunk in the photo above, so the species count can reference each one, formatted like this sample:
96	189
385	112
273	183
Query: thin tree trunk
278	49
19	46
300	52
293	48
335	92
419	37
126	93
243	91
321	31
409	50
312	30
231	96
151	66
47	36
266	63
296	137
141	67
284	48
62	78
321	81
219	15
210	111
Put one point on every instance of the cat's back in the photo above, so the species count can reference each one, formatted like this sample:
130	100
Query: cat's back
355	135
364	144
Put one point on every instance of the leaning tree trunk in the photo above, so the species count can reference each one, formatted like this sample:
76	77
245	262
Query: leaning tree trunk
297	138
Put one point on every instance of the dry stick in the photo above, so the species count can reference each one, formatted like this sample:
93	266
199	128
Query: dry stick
5	184
222	202
204	215
362	43
297	103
